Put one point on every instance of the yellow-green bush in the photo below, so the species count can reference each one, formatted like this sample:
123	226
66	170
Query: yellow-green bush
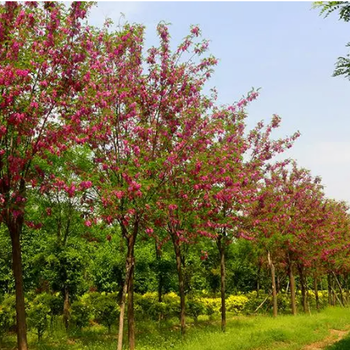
212	305
236	303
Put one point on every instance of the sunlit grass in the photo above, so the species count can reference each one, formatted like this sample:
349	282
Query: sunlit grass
243	333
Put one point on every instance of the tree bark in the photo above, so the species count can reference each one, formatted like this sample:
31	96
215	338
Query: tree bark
15	228
273	279
131	313
346	281
258	281
329	284
160	275
316	293
128	287
221	247
122	305
181	284
292	290
340	289
278	284
303	288
66	308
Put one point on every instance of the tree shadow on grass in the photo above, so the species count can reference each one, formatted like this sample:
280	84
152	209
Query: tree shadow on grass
343	344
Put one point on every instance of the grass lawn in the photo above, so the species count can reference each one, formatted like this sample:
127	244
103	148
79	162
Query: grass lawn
243	333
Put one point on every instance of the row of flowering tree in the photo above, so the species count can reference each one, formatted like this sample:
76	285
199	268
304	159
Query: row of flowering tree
160	158
300	230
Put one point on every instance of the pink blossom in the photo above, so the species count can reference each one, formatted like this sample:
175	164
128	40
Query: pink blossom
88	223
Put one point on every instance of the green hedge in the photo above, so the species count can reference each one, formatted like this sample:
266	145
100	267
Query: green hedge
103	308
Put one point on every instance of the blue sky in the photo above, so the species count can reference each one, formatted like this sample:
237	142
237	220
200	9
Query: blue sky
287	50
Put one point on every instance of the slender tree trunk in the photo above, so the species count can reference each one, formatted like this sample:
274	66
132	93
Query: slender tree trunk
303	288
346	281
15	229
316	293
221	247
273	279
131	313
258	281
340	289
122	305
292	290
66	308
278	284
128	287
181	284
329	284
160	275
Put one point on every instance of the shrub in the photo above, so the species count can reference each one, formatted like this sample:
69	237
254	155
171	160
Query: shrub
149	306
172	302
212	305
236	303
106	310
254	301
195	307
7	314
38	315
80	314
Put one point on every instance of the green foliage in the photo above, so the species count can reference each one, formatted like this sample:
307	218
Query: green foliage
212	305
42	308
328	7
7	314
172	301
65	268
6	278
236	303
106	309
80	314
106	267
195	307
342	66
38	317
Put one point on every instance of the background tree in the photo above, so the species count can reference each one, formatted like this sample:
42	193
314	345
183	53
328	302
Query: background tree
342	66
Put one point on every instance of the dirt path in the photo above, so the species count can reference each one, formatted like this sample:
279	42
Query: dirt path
335	336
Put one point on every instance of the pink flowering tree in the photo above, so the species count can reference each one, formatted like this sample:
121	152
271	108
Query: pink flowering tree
149	111
286	219
333	248
43	64
235	164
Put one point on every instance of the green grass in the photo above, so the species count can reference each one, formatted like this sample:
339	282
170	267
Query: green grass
243	333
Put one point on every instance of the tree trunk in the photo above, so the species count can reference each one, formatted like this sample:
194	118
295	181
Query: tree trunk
181	284
278	284
329	283
292	290
131	314
122	304
340	289
303	288
128	287
258	281
66	308
15	229
221	247
273	279
160	275
316	294
346	281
